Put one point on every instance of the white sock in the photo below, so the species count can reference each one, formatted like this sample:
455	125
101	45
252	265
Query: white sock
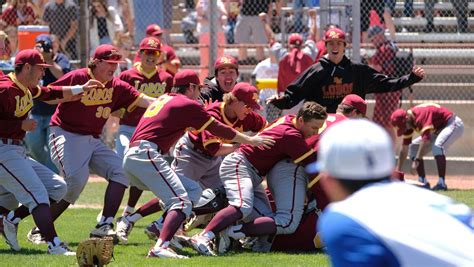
56	242
134	217
108	220
160	244
234	232
210	235
11	218
128	209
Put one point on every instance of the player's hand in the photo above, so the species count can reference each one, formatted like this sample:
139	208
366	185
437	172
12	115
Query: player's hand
273	99
312	13
92	84
29	125
264	141
418	71
208	102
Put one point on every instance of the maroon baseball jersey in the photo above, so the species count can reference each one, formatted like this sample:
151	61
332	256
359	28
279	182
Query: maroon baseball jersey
88	115
429	118
209	143
152	84
167	119
16	100
332	118
289	143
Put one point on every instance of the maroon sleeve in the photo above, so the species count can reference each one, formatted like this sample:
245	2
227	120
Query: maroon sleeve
221	130
169	82
298	150
126	96
47	93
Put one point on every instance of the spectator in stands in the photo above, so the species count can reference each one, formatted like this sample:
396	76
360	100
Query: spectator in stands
226	71
266	72
167	20
298	6
37	140
189	23
62	18
233	9
125	46
125	12
5	52
17	13
408	8
203	9
386	18
104	24
461	11
249	30
383	62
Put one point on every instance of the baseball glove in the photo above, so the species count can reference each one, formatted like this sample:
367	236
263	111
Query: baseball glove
95	251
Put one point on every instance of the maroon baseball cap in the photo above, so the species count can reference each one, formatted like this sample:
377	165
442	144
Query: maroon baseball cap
150	43
153	30
186	77
335	34
108	53
248	94
398	120
226	61
295	39
356	102
30	56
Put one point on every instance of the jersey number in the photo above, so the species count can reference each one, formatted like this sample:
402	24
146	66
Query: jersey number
156	106
103	112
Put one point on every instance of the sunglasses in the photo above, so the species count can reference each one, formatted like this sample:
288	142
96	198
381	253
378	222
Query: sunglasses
114	57
151	52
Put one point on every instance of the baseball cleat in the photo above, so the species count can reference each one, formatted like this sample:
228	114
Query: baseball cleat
203	245
60	249
440	186
124	228
164	253
105	230
35	237
10	232
153	230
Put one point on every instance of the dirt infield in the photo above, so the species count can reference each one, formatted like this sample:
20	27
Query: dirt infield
454	182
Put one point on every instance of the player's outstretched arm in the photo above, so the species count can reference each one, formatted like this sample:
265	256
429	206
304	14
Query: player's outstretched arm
75	92
145	101
257	140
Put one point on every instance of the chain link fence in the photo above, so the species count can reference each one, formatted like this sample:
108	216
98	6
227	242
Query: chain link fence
437	35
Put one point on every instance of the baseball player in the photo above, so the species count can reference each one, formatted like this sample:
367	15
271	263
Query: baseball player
197	157
168	59
331	79
288	183
150	80
438	127
156	132
21	178
373	221
226	71
242	172
75	129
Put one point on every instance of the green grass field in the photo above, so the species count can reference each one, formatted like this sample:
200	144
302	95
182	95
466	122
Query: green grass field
75	225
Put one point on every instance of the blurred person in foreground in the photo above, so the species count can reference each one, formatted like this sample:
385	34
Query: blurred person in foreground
374	221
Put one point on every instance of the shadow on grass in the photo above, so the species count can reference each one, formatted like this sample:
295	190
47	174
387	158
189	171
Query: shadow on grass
23	251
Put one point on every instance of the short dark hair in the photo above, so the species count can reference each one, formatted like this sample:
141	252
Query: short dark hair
346	109
355	185
92	64
19	68
312	111
181	89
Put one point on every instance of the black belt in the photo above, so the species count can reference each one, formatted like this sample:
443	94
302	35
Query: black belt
8	141
137	143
